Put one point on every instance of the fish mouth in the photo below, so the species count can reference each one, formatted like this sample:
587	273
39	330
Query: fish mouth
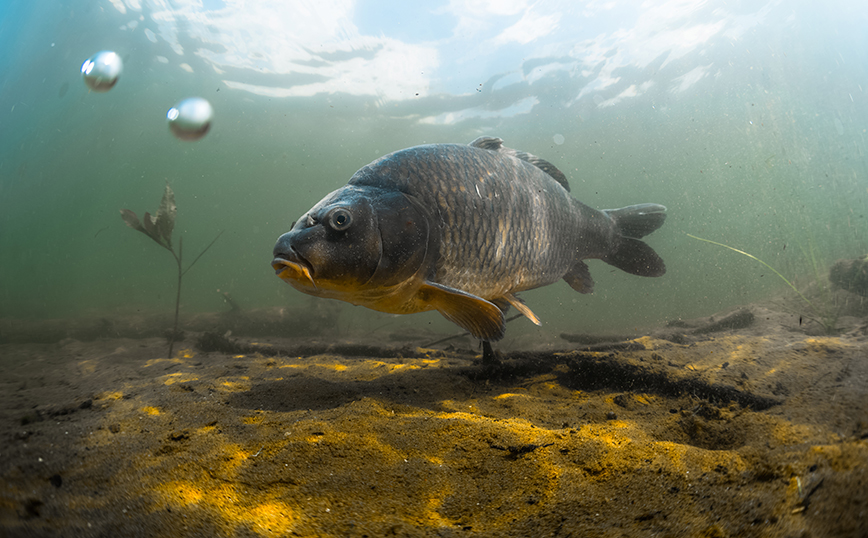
294	270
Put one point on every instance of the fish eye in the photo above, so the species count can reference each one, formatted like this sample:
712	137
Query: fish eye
340	219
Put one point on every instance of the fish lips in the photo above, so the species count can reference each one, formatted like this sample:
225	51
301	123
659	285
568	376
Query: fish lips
291	267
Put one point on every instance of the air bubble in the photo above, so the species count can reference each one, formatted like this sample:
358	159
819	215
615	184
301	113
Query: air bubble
191	118
101	71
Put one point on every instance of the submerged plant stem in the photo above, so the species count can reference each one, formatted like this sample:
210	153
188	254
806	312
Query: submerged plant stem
181	273
178	258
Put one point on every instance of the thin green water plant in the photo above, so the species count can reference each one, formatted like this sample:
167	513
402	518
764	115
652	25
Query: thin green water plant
159	227
827	318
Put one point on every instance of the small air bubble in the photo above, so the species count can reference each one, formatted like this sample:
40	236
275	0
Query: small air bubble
101	71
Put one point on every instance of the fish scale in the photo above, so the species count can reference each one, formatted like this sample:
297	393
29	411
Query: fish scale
468	260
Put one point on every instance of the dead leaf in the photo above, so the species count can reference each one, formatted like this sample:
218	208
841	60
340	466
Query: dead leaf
165	221
159	227
150	224
132	220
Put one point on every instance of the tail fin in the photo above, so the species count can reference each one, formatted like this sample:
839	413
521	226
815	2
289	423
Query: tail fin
638	220
631	255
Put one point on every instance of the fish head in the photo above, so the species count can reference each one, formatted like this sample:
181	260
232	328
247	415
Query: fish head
353	243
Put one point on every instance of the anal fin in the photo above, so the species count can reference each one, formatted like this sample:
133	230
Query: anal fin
523	308
579	278
479	317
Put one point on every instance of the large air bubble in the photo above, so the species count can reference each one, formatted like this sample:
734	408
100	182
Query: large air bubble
191	118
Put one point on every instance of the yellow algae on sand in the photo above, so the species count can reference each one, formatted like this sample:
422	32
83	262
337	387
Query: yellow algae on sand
178	377
110	395
232	506
508	395
238	384
256	419
337	367
183	493
823	344
272	517
154	362
646	341
88	366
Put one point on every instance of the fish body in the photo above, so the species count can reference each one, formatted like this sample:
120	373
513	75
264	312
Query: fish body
851	275
459	229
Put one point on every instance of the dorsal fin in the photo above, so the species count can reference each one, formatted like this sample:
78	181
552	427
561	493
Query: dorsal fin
496	144
487	142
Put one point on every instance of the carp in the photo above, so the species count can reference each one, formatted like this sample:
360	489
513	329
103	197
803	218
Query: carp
460	229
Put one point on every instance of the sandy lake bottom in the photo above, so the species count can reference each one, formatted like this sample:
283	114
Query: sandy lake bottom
745	424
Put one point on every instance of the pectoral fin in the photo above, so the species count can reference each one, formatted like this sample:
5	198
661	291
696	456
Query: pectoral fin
479	317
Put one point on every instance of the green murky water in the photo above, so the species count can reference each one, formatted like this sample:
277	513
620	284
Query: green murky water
747	120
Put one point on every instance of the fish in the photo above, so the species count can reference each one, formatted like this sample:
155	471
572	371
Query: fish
460	229
851	275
